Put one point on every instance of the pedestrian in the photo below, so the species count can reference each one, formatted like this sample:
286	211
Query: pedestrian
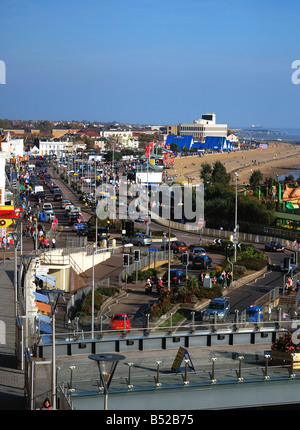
53	242
228	278
46	243
46	405
4	242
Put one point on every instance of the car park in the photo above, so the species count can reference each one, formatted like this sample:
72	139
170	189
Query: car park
274	246
177	276
139	239
120	321
218	308
201	262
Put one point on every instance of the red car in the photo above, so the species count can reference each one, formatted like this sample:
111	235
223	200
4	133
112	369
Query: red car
120	321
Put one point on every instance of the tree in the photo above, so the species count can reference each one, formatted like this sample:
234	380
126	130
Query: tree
205	173
256	179
219	174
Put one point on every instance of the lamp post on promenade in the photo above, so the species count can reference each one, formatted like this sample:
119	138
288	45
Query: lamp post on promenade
53	296
107	364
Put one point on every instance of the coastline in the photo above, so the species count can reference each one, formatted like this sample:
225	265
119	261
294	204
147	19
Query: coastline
278	159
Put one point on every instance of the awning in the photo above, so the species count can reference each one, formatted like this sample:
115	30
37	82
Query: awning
48	279
43	318
41	297
44	328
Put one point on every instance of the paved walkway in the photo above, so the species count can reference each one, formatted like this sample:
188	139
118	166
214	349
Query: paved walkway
11	378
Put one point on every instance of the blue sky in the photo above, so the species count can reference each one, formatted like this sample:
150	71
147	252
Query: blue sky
151	62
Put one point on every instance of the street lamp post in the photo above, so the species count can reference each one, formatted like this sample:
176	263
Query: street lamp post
15	235
107	364
235	219
53	296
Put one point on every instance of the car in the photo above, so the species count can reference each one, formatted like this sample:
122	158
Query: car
49	216
177	246
201	262
64	203
83	231
73	218
47	207
120	321
57	195
274	246
102	233
177	276
197	250
217	307
139	239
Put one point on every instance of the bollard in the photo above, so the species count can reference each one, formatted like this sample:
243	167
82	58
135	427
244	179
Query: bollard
129	385
212	374
157	383
239	372
186	382
266	376
71	379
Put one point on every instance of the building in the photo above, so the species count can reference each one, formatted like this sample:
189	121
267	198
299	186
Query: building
201	128
52	148
181	142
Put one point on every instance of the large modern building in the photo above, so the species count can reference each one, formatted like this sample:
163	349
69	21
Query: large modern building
201	128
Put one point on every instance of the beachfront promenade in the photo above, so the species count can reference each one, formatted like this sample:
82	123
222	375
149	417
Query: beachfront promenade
11	378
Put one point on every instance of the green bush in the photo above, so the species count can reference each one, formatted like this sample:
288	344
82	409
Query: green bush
253	263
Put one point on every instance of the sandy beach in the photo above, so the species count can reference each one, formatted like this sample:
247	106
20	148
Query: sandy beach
278	159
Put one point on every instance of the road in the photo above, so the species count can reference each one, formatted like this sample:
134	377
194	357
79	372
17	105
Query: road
136	303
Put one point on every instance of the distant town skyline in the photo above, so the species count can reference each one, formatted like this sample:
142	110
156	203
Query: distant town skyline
151	62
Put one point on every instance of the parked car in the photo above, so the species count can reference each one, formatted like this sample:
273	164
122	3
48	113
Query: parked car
138	239
120	321
201	262
176	246
177	276
274	246
219	307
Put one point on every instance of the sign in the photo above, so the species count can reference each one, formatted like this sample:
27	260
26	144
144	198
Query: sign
42	270
201	222
235	239
152	249
182	354
9	212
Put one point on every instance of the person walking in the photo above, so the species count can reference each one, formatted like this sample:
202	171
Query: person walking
53	242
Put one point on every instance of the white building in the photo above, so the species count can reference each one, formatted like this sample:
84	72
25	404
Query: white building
53	148
201	128
12	147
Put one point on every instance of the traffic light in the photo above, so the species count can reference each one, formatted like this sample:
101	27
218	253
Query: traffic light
185	258
137	255
125	259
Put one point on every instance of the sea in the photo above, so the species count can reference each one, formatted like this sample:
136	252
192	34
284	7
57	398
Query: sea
265	134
